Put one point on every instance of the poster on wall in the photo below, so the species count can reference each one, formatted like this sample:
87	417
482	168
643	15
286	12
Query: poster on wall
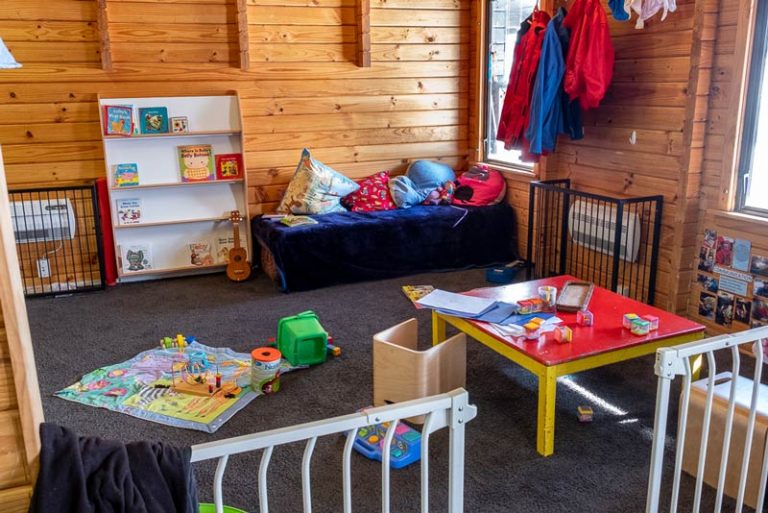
707	305
706	259
760	288
708	283
759	310
741	250
741	310
734	286
724	311
710	238
724	252
759	265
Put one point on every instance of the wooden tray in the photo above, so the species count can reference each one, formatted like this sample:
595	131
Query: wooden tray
575	296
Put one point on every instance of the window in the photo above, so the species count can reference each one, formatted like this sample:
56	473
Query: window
753	166
504	19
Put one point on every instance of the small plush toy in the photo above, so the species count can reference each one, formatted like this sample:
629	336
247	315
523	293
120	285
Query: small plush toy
443	195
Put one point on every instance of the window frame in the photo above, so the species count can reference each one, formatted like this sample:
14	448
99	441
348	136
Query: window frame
757	69
485	73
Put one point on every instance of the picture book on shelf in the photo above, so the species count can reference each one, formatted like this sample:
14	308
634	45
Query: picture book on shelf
229	166
179	125
223	245
129	211
126	175
200	253
136	257
196	163
118	120
153	120
291	220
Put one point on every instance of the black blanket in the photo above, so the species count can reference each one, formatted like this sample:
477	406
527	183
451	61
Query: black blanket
91	475
353	246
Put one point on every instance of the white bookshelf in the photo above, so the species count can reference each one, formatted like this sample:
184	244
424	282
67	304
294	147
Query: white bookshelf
174	213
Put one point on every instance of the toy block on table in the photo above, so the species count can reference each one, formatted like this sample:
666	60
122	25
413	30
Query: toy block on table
563	334
585	318
532	305
301	339
628	319
640	327
401	372
653	320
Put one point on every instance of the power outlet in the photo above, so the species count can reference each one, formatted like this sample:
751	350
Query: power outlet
43	268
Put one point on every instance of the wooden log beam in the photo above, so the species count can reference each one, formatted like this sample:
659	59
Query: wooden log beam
105	49
243	36
363	16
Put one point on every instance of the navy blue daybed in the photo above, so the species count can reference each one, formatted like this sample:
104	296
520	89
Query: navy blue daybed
354	246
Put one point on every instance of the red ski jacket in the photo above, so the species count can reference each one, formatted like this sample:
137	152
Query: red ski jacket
589	64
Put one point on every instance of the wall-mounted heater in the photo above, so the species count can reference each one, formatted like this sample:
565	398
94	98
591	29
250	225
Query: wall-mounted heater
593	225
43	219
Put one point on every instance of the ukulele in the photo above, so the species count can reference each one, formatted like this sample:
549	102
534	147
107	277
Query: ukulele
238	268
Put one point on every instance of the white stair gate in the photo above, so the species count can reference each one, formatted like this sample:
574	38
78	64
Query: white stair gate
450	410
740	396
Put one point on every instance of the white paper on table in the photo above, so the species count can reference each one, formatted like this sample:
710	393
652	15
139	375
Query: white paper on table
444	300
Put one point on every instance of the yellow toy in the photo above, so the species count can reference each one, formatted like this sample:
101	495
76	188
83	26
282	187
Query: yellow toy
563	334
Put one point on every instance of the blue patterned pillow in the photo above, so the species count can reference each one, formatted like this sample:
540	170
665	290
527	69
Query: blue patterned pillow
315	188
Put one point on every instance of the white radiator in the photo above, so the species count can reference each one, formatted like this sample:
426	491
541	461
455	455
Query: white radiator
593	225
43	220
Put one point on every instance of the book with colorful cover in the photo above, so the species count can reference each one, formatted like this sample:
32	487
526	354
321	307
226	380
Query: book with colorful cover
200	253
196	163
153	120
136	257
126	175
229	166
291	220
223	245
118	120
416	292
129	211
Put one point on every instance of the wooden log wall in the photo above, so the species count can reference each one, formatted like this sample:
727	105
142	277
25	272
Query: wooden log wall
732	31
295	64
654	94
20	406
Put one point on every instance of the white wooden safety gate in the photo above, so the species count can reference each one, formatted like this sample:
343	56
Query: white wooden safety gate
676	361
445	410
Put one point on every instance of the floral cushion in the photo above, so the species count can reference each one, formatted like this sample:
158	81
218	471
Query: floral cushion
372	195
315	188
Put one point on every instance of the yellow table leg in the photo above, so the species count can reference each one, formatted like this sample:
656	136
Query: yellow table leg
545	435
438	329
696	364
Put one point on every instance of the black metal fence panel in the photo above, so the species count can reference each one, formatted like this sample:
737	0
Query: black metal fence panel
612	242
58	239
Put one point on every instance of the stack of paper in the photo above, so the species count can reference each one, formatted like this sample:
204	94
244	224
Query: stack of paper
468	307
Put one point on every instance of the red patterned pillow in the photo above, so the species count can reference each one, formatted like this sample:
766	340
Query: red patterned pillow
372	195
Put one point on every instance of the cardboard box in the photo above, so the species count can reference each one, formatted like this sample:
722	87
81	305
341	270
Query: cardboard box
723	383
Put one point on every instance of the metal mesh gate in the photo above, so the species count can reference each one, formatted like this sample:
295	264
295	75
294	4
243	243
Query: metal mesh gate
611	242
58	239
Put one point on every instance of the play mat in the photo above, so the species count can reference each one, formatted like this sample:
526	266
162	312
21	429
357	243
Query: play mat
140	387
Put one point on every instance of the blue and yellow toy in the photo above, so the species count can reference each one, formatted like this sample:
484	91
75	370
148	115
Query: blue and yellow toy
405	447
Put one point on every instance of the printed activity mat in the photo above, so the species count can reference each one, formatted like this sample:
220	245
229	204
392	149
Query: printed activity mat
142	386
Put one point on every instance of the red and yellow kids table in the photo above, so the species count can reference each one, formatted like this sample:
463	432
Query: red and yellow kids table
603	343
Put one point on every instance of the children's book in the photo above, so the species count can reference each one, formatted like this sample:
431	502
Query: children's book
129	211
200	253
223	245
196	163
229	166
416	292
126	175
136	257
118	120
291	220
153	120
180	125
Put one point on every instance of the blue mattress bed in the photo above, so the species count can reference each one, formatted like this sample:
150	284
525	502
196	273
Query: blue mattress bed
354	246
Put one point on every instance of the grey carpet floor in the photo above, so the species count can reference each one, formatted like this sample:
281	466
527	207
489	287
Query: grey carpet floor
597	467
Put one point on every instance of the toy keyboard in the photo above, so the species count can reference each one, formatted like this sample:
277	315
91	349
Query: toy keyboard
406	444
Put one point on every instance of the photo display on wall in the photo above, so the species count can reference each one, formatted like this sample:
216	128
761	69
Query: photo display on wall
732	281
